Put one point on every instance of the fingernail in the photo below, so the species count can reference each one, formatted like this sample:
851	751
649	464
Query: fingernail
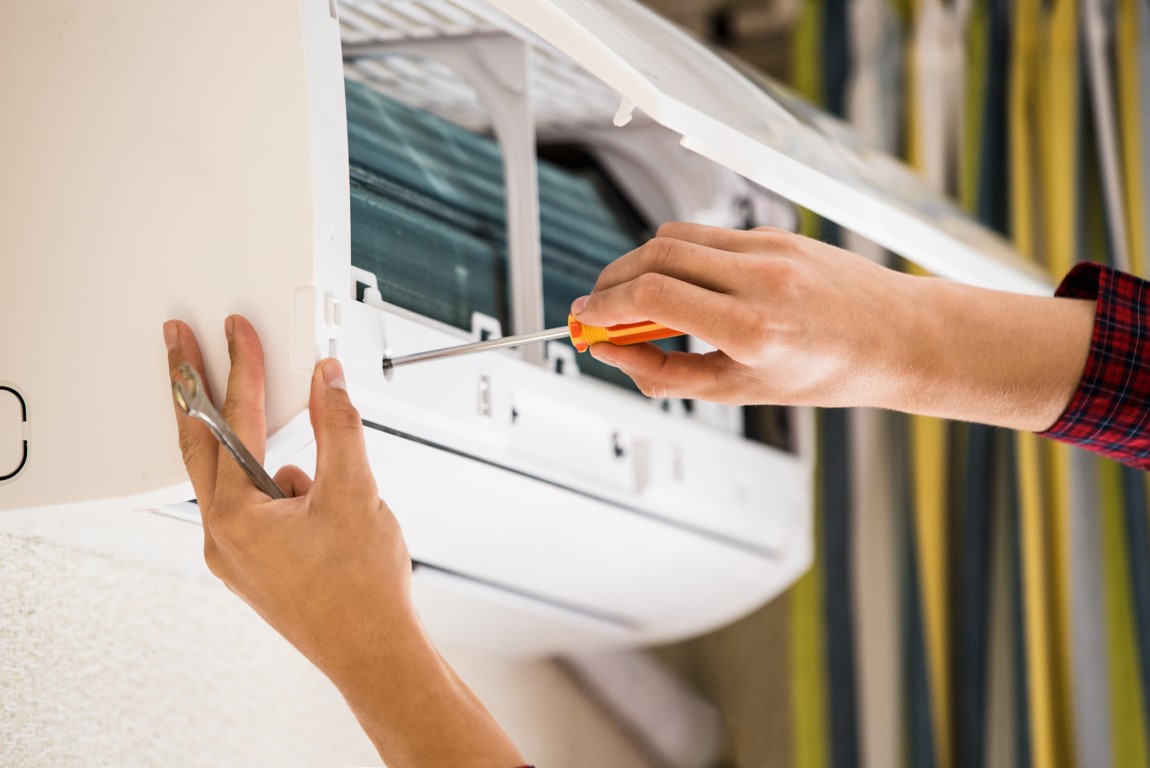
579	305
229	326
333	374
171	335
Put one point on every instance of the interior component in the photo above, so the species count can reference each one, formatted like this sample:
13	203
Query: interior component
429	219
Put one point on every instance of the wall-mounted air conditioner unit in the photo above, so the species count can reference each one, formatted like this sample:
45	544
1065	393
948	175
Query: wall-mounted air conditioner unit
165	159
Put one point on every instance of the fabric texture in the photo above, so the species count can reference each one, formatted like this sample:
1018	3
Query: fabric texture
1108	413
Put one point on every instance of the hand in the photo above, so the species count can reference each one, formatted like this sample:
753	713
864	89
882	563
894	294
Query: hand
309	564
327	567
800	322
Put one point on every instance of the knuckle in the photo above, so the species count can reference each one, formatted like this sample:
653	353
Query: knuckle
758	329
236	410
781	276
776	237
649	289
672	229
660	252
790	279
190	448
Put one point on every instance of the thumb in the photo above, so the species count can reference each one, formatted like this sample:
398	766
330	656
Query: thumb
341	455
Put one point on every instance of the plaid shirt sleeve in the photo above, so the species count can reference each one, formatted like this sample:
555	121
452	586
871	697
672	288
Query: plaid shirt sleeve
1110	412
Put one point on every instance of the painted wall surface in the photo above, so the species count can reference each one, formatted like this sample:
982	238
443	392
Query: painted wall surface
117	647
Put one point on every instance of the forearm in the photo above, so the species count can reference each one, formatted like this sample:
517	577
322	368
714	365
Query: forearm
415	708
986	356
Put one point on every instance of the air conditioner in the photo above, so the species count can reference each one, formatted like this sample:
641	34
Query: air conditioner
166	159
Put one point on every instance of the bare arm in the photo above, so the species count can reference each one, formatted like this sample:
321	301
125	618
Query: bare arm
800	322
328	569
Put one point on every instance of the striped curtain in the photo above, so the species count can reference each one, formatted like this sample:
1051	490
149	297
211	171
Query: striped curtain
981	597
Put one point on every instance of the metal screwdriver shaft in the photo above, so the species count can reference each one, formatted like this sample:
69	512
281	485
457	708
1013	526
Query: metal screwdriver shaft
480	346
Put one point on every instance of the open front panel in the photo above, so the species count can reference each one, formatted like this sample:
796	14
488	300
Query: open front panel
756	128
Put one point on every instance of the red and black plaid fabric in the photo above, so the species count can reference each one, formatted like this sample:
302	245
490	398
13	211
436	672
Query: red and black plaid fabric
1110	412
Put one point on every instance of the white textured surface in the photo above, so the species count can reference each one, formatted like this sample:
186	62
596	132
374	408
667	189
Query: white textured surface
117	647
106	662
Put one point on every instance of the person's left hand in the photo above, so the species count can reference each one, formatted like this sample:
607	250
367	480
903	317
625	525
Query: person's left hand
327	567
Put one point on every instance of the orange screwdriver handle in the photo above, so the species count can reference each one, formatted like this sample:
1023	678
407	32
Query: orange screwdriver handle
583	336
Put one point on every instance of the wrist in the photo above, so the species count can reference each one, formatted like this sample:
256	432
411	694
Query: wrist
993	357
897	357
360	643
416	709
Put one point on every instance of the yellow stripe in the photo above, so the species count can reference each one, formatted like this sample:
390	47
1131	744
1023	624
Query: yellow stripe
1058	489
806	58
1036	613
1126	36
1059	143
974	101
1021	109
930	471
928	441
807	78
810	735
1128	729
1024	99
1059	137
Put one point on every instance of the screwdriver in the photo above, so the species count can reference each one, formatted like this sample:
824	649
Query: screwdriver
581	335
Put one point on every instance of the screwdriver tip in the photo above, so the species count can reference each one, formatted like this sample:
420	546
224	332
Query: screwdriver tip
388	369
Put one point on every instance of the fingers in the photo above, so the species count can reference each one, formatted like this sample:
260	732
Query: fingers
722	238
670	374
197	445
244	405
341	455
712	257
293	481
703	313
708	267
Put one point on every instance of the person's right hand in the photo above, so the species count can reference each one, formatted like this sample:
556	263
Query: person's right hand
800	322
796	321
